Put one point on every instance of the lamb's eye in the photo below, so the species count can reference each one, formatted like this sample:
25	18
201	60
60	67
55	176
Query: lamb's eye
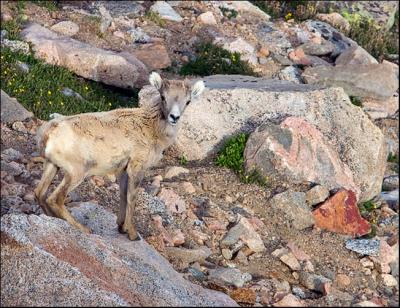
163	98
188	102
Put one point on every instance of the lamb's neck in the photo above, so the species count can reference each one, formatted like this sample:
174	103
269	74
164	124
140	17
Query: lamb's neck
165	133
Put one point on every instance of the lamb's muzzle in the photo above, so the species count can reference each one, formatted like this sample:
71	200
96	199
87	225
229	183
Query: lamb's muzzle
123	142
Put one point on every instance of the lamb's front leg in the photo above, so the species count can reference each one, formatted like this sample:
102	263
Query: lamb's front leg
135	176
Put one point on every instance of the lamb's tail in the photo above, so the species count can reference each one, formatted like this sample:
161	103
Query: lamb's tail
43	132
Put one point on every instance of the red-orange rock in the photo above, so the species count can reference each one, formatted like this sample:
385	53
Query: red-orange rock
244	295
340	214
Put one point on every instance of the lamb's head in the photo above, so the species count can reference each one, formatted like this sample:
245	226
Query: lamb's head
175	95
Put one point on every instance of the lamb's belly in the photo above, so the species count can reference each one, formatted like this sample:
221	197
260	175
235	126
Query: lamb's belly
104	166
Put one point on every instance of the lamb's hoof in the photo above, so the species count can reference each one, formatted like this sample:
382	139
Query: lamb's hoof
133	235
121	229
84	229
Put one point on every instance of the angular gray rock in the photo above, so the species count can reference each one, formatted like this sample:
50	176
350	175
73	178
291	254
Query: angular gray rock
355	55
12	110
118	69
103	268
292	205
67	28
229	277
235	103
165	11
316	195
311	48
330	34
244	231
377	81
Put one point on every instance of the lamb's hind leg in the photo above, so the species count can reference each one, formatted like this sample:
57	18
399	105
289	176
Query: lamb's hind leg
49	171
57	198
123	194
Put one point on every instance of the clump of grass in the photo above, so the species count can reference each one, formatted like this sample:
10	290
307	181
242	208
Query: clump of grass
375	39
183	160
393	158
50	5
229	13
14	26
356	101
297	10
155	17
368	211
212	59
272	8
231	156
40	90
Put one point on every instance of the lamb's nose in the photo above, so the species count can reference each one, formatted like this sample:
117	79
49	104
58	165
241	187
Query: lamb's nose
174	117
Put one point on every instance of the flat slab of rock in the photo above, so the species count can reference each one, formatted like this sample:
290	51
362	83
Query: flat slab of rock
117	69
87	270
377	81
12	110
340	214
235	103
369	247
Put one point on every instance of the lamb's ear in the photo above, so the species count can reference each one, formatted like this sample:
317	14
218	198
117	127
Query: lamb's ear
197	88
155	80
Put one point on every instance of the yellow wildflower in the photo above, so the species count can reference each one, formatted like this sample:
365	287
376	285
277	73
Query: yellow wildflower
86	88
50	102
49	92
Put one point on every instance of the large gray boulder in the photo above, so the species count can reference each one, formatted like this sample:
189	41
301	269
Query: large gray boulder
295	152
234	103
377	81
46	262
12	110
117	69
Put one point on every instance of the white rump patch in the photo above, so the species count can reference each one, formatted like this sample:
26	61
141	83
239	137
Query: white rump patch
198	88
155	80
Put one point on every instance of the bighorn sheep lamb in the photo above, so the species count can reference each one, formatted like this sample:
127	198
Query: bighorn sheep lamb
123	142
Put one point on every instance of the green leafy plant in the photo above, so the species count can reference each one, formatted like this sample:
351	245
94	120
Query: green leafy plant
375	39
231	156
356	101
183	160
41	89
155	17
368	211
229	13
393	158
212	59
